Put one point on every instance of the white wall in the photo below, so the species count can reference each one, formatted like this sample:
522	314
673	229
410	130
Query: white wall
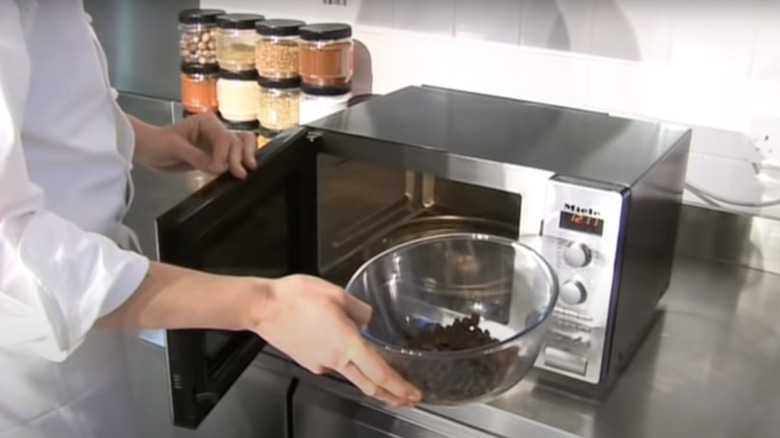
707	63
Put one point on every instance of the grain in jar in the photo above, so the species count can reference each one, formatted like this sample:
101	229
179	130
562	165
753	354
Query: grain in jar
318	102
326	55
199	87
277	48
197	35
279	104
236	41
237	95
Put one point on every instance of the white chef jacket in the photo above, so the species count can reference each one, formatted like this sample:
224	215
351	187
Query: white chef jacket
65	158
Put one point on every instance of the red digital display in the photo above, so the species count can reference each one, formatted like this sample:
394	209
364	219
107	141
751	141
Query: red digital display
581	222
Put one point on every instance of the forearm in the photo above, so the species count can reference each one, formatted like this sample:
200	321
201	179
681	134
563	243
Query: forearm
144	138
170	297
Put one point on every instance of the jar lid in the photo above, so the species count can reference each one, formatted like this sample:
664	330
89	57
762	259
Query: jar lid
239	21
283	84
279	27
245	75
200	16
199	69
249	125
333	90
267	133
325	31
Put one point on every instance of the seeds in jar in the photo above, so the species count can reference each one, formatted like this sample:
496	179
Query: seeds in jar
277	48
198	46
278	112
277	60
279	104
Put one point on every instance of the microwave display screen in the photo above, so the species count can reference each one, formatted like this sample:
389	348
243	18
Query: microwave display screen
582	223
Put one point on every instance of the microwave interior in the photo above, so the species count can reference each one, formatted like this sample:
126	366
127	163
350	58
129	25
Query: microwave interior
258	228
365	208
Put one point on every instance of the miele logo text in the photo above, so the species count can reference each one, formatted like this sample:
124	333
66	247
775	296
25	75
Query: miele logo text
581	210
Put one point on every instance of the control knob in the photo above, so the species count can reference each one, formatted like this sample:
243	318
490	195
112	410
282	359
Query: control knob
573	292
577	255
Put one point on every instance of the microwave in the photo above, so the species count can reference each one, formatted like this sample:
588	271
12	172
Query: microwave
599	196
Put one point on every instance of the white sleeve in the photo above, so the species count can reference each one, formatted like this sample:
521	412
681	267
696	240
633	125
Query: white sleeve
56	280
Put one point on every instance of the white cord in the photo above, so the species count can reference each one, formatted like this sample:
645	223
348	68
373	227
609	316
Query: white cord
714	199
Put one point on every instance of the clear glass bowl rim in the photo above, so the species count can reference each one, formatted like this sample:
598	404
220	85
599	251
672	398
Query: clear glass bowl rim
469	352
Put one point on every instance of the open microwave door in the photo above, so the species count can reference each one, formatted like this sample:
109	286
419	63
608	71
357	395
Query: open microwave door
265	225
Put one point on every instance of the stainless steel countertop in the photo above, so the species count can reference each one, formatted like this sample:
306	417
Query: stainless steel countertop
709	368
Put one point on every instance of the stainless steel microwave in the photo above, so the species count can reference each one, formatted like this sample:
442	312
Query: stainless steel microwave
603	192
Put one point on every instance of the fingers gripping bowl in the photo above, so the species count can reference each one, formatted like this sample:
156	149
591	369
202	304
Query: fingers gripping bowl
462	315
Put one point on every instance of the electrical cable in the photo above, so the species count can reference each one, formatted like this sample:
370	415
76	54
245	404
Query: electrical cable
712	198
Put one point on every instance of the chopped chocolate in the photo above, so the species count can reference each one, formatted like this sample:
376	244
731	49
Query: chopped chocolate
456	380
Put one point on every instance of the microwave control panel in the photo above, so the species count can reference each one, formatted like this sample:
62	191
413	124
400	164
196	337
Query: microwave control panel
580	229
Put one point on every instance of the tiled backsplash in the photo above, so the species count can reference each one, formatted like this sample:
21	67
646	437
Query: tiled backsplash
707	63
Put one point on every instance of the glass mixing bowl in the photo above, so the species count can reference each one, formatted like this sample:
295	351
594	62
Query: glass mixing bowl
461	315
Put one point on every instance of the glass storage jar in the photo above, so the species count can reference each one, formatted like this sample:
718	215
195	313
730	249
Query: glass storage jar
237	95
236	41
317	102
199	87
279	105
250	126
197	35
277	48
326	56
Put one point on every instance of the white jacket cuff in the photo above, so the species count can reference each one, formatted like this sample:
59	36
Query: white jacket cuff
65	281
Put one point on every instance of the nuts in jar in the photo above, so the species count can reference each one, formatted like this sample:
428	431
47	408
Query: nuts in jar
197	35
236	41
277	48
279	104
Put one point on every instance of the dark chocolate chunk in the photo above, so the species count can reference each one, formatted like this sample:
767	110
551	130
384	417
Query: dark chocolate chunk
461	379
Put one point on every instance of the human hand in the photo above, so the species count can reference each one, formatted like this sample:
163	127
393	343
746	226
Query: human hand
315	323
200	142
